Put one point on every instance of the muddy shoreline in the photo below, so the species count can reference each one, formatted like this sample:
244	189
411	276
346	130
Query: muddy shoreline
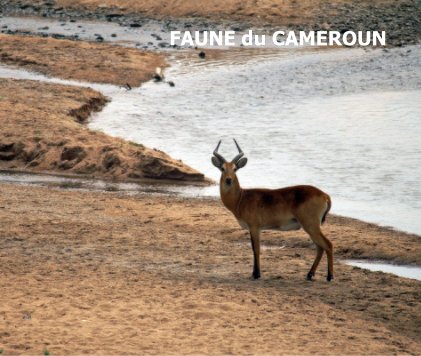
400	19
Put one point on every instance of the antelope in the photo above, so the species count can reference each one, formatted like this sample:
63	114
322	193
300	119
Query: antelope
290	208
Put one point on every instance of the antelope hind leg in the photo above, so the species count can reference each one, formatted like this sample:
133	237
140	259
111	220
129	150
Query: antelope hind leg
320	240
316	262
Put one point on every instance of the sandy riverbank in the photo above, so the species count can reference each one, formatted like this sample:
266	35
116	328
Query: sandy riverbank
77	60
111	274
43	130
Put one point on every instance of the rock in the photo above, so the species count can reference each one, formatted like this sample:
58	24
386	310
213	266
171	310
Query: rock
58	36
112	16
343	30
157	78
135	25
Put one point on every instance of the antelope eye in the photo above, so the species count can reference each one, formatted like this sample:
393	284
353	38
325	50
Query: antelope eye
235	169
222	169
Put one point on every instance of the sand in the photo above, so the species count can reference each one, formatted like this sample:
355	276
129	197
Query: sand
104	273
77	60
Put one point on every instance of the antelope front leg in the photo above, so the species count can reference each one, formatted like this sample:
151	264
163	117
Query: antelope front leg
255	244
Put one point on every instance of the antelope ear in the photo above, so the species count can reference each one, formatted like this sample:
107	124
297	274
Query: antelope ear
241	163
216	162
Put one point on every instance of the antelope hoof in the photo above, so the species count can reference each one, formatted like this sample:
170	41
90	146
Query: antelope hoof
256	275
329	277
310	276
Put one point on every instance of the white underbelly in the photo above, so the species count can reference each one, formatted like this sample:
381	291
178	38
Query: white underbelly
292	225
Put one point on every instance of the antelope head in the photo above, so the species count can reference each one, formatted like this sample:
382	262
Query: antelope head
228	169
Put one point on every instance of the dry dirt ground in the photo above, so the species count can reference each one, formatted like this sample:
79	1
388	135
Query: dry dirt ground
266	9
77	60
42	130
270	11
103	273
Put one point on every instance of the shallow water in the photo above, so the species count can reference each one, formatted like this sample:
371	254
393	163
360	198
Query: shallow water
412	272
9	72
86	184
88	30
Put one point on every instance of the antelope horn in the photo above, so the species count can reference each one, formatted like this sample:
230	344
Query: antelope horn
217	155
240	154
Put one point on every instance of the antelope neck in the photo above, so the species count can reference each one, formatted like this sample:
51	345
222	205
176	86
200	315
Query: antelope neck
232	197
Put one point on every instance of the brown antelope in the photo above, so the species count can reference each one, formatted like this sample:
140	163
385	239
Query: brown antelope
284	209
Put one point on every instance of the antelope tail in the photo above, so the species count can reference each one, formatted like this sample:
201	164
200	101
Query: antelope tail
329	205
